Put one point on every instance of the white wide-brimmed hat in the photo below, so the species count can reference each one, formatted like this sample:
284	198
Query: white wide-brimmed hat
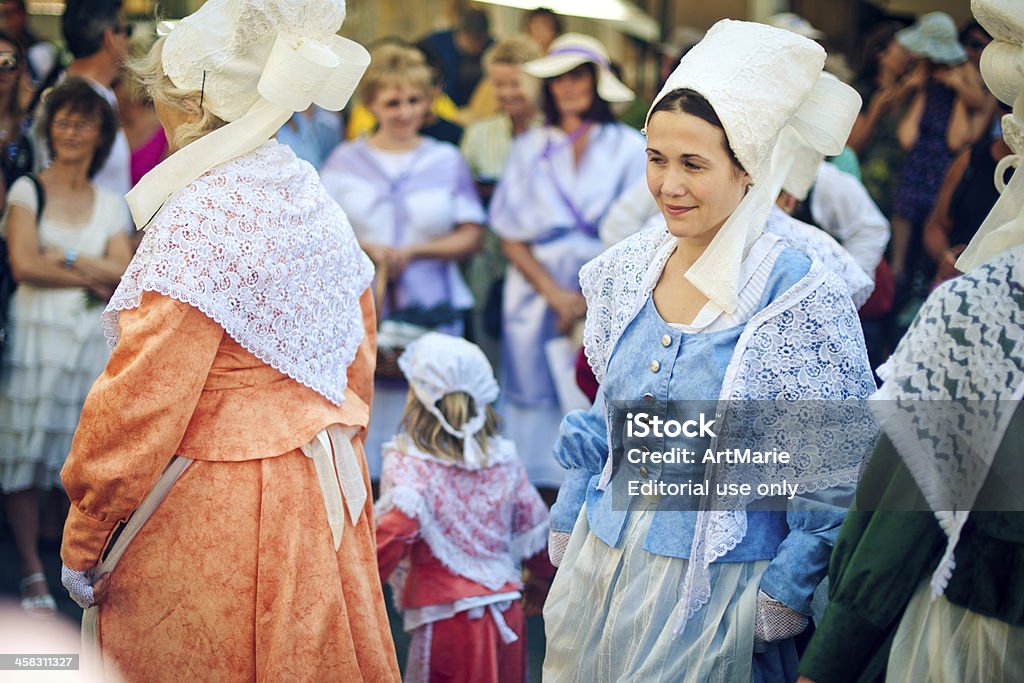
570	50
795	23
256	62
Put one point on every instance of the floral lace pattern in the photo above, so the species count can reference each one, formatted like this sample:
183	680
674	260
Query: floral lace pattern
615	284
755	87
805	347
951	387
819	245
805	351
258	246
221	37
480	523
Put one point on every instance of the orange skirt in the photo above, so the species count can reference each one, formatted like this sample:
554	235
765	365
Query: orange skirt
235	577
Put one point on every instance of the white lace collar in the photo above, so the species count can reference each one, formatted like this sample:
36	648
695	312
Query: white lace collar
804	346
951	388
258	246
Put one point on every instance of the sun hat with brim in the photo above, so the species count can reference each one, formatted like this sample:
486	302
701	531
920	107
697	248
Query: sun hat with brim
933	37
570	50
795	23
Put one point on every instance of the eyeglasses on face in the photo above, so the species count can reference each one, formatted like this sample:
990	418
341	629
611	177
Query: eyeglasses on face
76	125
8	62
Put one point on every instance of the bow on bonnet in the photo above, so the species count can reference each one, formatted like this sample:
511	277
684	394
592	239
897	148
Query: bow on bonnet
761	81
438	364
256	62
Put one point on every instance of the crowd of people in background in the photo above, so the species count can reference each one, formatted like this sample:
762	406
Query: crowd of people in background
479	174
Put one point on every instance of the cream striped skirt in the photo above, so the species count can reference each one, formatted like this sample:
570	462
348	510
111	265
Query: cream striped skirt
939	642
608	617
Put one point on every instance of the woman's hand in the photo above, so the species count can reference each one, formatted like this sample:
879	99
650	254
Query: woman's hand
82	588
916	79
380	254
570	307
54	255
774	621
558	541
398	259
947	266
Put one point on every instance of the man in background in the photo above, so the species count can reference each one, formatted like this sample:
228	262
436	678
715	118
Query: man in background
458	53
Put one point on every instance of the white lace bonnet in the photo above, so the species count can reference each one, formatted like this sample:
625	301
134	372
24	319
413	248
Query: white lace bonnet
439	364
568	51
255	62
1002	65
759	80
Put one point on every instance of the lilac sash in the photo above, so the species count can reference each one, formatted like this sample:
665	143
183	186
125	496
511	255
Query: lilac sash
582	224
424	282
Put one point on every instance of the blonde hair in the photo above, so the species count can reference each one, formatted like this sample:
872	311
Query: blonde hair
429	436
149	70
395	65
515	50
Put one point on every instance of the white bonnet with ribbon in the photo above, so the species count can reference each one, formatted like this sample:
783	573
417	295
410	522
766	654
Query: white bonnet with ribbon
760	80
1002	66
255	62
439	364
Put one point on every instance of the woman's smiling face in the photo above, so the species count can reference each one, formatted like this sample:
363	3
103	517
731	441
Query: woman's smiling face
691	175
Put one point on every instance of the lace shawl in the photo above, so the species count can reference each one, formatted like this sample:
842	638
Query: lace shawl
479	523
258	246
952	386
821	246
804	348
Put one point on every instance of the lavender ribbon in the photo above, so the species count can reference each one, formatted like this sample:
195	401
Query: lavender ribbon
410	180
590	55
582	224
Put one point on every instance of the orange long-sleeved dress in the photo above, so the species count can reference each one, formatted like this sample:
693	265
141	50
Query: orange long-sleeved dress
235	576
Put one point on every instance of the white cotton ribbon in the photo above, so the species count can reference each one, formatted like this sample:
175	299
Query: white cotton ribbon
1003	227
472	455
339	475
297	74
91	652
1002	65
436	365
823	123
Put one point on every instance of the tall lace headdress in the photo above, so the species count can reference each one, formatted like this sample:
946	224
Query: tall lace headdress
256	62
759	80
238	227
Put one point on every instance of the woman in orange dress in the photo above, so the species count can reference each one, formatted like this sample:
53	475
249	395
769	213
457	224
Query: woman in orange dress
228	427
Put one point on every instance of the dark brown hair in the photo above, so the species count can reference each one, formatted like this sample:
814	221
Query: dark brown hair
76	96
691	102
875	43
599	111
13	105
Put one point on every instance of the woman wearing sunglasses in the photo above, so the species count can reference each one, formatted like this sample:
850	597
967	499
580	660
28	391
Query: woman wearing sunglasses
16	156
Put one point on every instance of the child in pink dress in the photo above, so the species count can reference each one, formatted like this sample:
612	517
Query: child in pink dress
456	519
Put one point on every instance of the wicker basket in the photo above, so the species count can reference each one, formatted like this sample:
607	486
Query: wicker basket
387	358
